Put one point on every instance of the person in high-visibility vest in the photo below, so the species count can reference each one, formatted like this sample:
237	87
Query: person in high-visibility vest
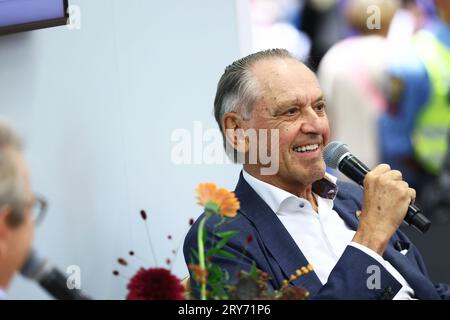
413	132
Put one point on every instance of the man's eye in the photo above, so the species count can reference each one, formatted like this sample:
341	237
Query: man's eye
320	107
291	111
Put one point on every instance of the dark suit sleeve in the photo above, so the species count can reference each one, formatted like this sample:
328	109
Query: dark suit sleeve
358	276
442	289
348	280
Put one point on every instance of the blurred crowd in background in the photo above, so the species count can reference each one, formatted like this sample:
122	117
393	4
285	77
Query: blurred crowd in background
384	68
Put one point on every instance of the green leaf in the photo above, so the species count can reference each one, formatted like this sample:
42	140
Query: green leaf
227	234
219	252
221	243
253	271
220	223
211	208
212	252
225	254
195	253
217	283
204	237
218	246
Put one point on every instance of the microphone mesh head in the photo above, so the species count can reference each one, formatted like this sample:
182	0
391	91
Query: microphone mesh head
333	152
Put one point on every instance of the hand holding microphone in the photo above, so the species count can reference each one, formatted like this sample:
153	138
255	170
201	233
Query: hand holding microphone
387	198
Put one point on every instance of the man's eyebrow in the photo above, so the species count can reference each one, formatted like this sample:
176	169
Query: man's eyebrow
287	103
319	99
291	102
281	106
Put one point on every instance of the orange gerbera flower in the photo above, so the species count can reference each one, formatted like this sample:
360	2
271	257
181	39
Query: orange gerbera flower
217	200
200	274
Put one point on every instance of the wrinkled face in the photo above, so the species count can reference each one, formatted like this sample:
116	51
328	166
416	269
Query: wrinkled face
16	240
292	102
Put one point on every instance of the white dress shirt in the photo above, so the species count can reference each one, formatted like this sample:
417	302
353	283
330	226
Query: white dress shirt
322	237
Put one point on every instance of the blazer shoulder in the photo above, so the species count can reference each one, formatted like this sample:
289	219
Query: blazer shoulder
214	224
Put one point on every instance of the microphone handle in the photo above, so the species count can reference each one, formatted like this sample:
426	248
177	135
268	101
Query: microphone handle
55	283
356	170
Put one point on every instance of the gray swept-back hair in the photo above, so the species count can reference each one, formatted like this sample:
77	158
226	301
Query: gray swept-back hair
11	185
238	89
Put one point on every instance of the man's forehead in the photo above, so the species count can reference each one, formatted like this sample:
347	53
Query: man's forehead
278	67
287	80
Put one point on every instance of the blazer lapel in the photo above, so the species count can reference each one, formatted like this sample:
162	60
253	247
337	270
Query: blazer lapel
276	238
347	211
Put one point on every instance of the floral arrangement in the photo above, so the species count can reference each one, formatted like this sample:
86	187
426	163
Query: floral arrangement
159	283
154	283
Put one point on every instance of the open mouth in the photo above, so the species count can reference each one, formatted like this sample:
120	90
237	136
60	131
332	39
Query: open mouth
306	148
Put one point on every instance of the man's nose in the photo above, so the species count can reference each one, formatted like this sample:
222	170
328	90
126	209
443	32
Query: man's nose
311	123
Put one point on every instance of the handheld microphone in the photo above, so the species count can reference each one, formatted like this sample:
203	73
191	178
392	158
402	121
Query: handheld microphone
337	156
50	278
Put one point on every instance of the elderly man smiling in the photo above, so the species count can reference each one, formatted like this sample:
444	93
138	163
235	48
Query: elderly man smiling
301	215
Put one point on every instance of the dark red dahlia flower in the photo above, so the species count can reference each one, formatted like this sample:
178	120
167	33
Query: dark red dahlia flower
155	284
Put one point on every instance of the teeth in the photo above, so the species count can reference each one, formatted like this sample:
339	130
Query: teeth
310	147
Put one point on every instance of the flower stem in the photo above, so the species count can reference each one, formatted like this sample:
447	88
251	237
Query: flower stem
201	256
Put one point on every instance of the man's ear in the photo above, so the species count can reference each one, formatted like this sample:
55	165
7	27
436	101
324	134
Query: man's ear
5	230
234	130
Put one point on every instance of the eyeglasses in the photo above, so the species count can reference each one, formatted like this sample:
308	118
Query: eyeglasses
38	209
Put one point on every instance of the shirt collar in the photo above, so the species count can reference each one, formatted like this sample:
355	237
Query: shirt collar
325	188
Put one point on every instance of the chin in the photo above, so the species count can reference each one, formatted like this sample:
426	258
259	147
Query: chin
312	175
320	174
306	172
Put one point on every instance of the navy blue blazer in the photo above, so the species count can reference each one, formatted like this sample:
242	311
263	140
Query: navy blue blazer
275	252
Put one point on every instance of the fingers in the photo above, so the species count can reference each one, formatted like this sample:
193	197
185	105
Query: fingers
402	188
380	169
376	173
384	173
393	175
412	194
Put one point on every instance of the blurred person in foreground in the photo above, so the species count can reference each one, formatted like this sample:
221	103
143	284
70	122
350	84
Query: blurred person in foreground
413	131
16	204
298	215
353	79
